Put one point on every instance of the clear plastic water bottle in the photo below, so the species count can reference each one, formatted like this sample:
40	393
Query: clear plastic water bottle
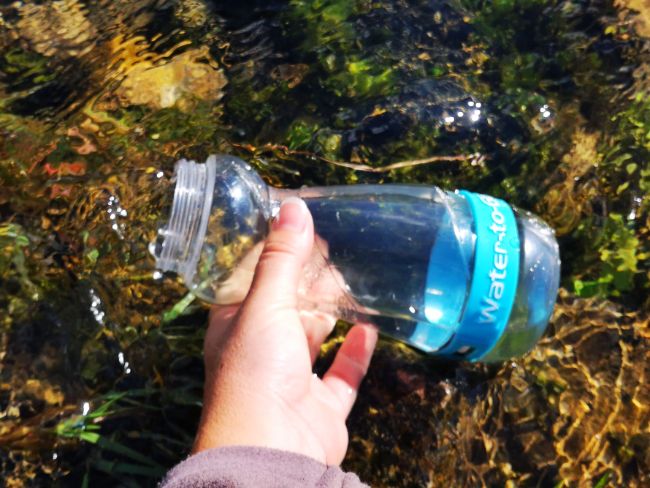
455	274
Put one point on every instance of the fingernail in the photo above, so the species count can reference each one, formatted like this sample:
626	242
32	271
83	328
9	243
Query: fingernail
292	216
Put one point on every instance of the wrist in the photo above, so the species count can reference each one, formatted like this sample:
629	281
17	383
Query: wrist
253	420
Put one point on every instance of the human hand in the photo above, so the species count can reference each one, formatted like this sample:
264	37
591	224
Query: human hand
259	387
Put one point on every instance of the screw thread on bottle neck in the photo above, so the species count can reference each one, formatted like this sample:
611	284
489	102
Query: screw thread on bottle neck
178	244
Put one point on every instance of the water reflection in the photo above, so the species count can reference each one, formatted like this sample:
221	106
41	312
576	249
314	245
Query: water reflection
473	113
96	308
123	362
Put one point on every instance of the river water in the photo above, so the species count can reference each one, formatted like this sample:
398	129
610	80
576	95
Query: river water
541	102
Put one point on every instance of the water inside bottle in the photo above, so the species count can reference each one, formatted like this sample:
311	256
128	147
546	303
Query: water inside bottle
404	253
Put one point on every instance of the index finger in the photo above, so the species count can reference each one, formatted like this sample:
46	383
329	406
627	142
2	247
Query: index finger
351	364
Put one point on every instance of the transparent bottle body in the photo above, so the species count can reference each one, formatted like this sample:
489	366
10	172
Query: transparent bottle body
401	256
379	242
372	256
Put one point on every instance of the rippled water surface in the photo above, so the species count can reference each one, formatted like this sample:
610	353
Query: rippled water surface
543	103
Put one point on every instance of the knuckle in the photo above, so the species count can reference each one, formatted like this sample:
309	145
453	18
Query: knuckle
275	248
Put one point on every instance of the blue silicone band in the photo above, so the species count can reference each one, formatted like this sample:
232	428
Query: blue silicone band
494	279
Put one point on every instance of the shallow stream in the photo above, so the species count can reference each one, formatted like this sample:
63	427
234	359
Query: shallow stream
543	103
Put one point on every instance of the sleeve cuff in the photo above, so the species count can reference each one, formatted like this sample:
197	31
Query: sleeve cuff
247	466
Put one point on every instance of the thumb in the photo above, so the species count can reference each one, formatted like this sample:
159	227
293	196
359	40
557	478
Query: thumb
287	248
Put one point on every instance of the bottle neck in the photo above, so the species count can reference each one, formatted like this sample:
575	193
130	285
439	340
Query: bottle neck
223	202
277	196
179	242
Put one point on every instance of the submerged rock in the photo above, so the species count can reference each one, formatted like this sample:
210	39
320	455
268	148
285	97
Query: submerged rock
430	103
58	28
642	19
194	13
187	76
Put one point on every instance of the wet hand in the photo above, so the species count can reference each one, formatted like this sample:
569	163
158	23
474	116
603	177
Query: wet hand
259	387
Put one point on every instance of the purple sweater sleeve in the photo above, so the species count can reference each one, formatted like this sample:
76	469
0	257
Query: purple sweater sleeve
258	467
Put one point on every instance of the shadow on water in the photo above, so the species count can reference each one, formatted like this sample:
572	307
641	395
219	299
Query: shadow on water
543	103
